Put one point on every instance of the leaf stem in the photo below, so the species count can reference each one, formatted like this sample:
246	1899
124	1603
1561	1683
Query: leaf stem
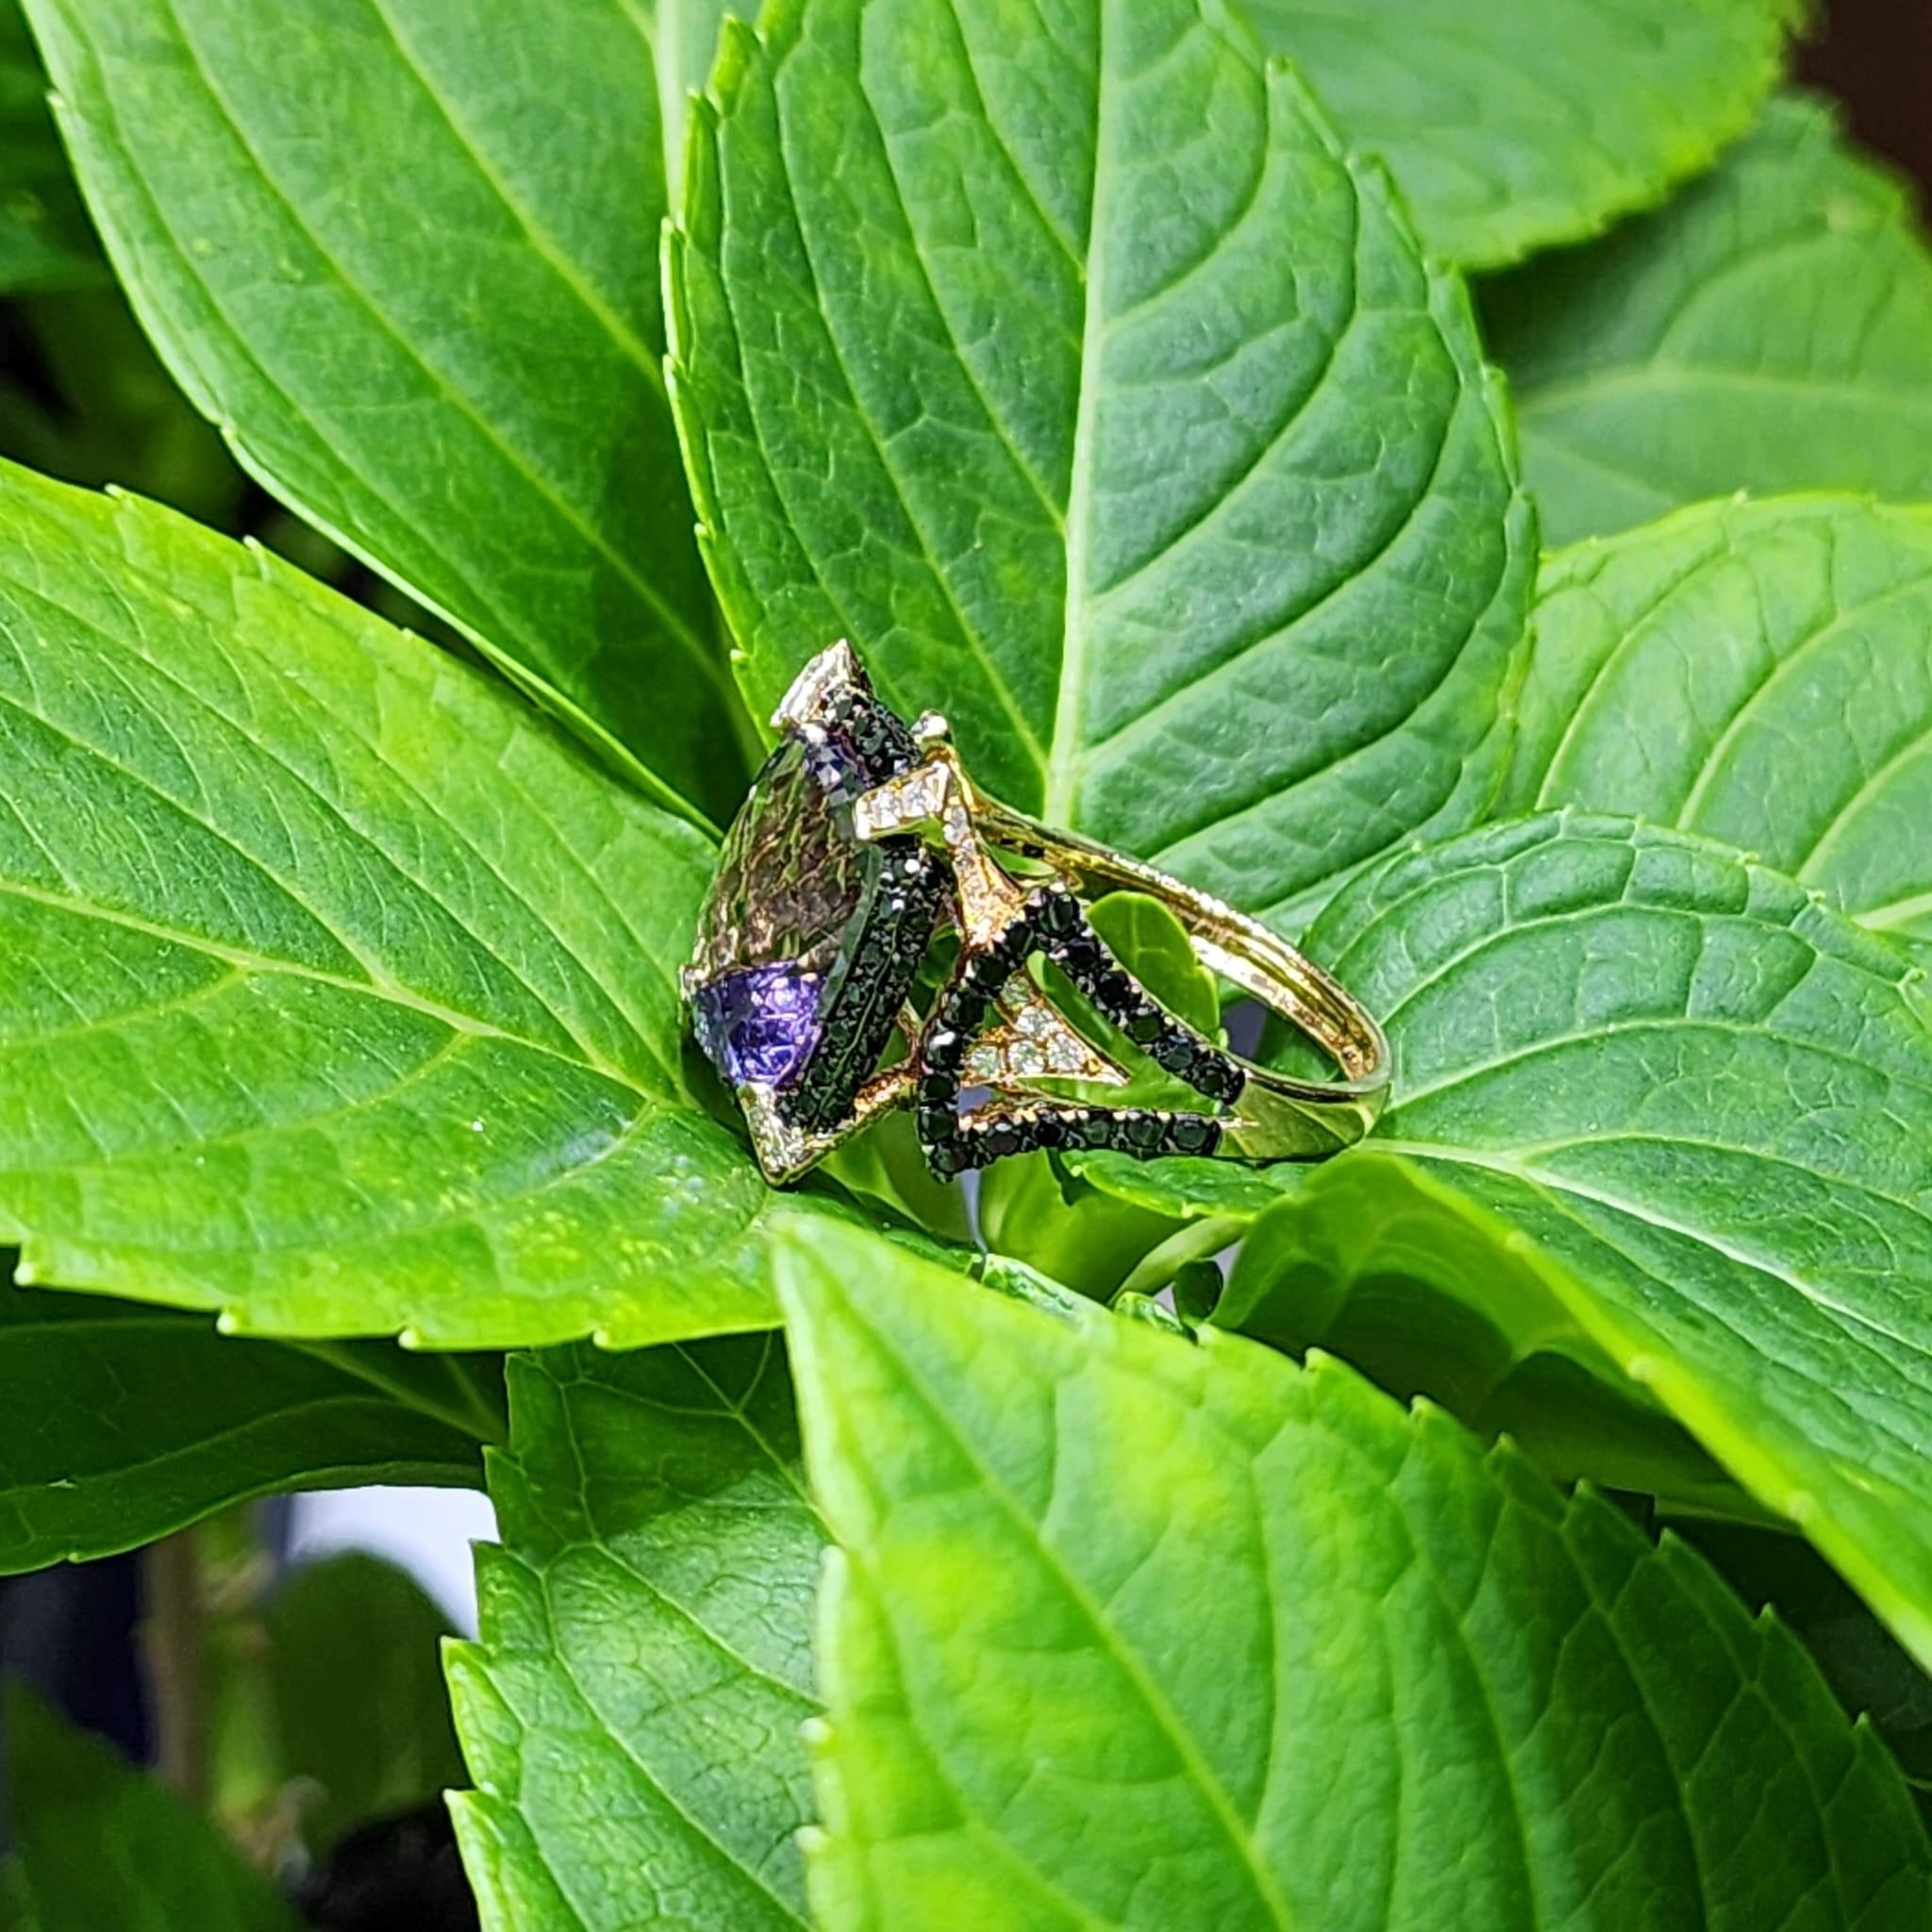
174	1648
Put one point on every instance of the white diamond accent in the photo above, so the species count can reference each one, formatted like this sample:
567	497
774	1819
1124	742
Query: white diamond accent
830	675
914	798
984	1063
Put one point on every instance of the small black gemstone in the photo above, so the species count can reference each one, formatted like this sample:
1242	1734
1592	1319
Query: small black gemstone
968	1008
941	1088
1001	1138
1142	1133
1050	1130
1090	1130
1192	1133
942	1050
1146	1025
1080	955
937	1124
1010	950
1057	914
945	1160
1219	1078
1173	1051
987	971
1114	990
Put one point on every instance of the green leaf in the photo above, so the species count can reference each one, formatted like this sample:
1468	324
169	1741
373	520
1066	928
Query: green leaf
631	1711
1654	1096
1133	1632
100	1845
1074	373
352	1618
404	251
340	989
45	241
1756	672
1696	1105
17	1912
1363	1264
1771	329
684	42
1868	1672
1526	121
119	1424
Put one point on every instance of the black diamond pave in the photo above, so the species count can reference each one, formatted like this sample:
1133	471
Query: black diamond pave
885	961
1072	943
1055	925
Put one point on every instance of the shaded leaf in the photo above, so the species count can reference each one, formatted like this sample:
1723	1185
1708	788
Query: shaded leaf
1366	1269
1771	329
404	251
341	989
45	241
1526	121
119	1424
355	1620
101	1845
1074	373
1696	1107
1129	1631
630	1711
1756	672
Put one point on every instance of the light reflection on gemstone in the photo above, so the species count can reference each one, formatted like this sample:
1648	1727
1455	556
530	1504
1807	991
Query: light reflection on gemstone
760	1024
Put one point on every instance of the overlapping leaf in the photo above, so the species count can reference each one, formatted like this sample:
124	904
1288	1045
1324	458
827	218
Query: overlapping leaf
404	251
351	1619
100	1844
44	239
631	1710
1756	672
1072	370
1133	1632
1771	329
1522	122
124	1424
1671	1102
341	990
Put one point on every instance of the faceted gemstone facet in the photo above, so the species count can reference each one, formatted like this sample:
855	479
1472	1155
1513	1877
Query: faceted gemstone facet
760	1024
791	885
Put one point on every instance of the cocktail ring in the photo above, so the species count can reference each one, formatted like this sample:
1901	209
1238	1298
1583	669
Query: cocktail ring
862	845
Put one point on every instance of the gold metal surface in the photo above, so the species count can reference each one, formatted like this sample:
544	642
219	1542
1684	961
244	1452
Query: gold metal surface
1279	1116
998	859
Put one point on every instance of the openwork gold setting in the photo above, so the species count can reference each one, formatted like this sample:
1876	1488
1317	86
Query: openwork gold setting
946	857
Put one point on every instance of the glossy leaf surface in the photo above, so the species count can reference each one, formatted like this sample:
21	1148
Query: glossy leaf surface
341	989
1757	672
404	251
1072	370
1769	330
1130	1631
631	1710
1522	122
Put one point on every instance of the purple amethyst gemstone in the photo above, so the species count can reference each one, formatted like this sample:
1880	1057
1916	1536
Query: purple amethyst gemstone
759	1023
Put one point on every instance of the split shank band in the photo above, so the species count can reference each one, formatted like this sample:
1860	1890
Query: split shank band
861	841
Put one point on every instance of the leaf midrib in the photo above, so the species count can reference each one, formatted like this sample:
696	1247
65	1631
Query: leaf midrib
379	981
1064	756
263	966
1180	1739
675	626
